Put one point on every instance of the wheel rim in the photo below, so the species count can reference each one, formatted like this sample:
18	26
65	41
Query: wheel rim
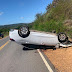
24	30
62	37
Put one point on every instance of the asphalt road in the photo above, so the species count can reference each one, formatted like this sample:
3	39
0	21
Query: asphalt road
14	59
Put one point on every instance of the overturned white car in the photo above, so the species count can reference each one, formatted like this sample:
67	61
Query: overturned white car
25	36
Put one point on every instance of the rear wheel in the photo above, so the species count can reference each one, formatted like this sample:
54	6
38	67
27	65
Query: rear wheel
24	31
62	37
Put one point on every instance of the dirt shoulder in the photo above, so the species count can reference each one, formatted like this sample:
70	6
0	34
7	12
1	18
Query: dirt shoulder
60	58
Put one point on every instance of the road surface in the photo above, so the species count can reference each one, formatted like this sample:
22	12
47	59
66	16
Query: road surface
14	59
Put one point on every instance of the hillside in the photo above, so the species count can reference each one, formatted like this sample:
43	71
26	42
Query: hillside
58	17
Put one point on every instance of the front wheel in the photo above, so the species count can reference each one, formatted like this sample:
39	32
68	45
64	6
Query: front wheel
24	31
62	37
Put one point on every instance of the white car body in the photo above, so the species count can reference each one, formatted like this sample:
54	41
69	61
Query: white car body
36	38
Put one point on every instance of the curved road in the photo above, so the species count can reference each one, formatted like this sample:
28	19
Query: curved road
14	59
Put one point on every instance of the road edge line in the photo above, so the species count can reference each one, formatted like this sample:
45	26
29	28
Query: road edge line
46	63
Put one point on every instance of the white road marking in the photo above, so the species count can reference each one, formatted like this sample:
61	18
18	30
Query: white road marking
46	63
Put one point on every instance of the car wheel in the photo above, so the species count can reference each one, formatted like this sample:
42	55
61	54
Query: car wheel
24	31
62	37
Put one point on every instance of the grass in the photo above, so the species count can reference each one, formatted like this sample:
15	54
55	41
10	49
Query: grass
54	18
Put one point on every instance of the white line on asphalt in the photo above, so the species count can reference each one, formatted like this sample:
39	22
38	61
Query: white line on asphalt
46	63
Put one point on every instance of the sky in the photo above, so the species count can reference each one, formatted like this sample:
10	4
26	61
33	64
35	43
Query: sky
21	11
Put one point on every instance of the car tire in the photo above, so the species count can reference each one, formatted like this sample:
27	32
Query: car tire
62	37
24	31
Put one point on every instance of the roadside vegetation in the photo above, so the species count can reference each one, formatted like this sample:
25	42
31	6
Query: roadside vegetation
58	17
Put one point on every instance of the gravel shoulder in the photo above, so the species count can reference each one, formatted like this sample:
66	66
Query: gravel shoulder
60	58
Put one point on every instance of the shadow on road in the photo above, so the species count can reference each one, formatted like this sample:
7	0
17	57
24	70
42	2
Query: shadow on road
34	47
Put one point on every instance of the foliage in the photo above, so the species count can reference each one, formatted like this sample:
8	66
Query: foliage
53	19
